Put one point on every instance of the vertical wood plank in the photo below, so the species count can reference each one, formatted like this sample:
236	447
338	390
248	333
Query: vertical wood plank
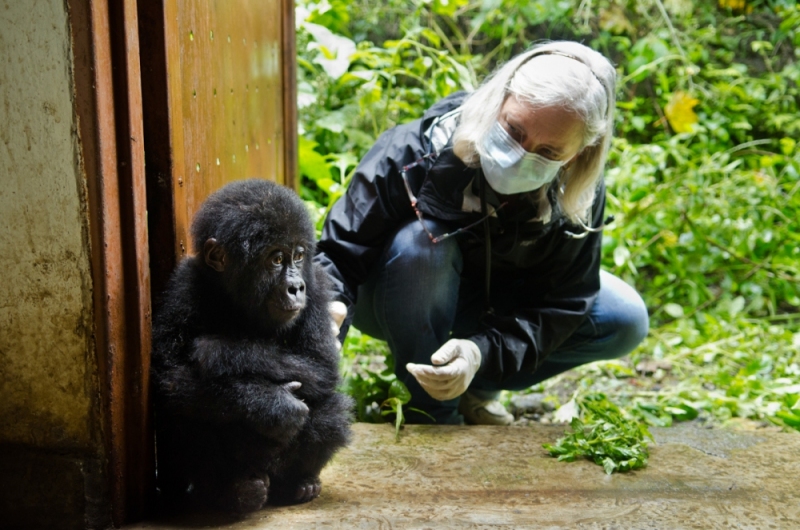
159	146
289	126
228	101
135	385
108	102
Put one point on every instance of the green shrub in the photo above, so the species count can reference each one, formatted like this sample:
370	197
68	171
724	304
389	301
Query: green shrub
703	176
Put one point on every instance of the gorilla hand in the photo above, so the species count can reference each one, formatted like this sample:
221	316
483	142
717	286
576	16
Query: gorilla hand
287	413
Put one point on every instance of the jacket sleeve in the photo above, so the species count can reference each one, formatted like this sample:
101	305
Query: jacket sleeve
374	206
522	340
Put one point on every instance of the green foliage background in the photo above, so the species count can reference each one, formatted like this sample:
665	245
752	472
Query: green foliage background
703	177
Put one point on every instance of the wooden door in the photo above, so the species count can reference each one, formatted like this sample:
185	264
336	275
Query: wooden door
218	80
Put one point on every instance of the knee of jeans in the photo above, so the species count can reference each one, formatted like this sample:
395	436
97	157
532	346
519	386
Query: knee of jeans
411	249
633	327
624	322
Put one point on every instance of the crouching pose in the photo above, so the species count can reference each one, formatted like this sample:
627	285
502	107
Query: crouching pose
244	365
470	239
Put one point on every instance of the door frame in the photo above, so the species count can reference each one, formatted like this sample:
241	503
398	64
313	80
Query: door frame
123	127
108	105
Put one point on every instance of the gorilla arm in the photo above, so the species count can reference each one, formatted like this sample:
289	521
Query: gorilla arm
216	356
269	408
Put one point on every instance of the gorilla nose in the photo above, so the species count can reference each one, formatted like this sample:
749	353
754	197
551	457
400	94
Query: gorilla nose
297	286
297	289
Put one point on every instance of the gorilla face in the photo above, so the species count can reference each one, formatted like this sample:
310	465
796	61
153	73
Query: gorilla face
269	287
286	295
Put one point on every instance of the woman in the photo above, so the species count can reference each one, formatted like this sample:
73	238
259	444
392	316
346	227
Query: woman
469	240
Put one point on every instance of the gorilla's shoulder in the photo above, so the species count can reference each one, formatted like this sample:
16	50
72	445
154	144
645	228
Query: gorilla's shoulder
176	309
184	286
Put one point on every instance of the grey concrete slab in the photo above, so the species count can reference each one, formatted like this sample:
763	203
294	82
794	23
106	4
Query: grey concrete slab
500	477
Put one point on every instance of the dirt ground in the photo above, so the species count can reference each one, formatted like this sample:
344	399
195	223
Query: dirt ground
482	477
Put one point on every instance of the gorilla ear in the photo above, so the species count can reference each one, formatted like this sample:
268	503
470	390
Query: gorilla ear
214	255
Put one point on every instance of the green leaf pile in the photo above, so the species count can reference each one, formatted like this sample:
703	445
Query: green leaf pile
605	436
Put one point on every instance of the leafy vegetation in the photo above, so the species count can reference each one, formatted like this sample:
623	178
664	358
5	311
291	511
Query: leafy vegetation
604	435
703	177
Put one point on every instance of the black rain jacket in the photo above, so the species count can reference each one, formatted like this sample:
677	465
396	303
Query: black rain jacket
560	273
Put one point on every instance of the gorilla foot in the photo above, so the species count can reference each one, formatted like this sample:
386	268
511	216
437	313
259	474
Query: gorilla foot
285	493
249	495
308	490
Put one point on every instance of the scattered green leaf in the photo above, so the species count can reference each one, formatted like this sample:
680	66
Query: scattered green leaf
604	435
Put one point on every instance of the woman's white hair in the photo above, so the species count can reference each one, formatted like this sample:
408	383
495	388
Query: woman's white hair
559	73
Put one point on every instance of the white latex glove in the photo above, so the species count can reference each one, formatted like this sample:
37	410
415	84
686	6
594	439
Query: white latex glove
454	366
338	312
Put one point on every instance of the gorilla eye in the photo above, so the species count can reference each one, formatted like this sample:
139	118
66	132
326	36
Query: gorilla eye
277	258
299	255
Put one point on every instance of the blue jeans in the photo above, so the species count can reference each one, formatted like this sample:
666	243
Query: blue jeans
415	297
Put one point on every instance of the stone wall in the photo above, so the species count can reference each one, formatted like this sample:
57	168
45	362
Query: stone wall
51	462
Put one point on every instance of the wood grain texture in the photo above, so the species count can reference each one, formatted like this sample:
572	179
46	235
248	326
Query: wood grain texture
225	77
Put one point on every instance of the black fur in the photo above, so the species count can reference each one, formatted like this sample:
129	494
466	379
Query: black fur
246	401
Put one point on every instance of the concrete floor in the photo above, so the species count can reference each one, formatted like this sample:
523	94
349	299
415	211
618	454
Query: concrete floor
500	477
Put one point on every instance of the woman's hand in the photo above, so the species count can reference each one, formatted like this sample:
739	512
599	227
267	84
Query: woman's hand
338	312
454	366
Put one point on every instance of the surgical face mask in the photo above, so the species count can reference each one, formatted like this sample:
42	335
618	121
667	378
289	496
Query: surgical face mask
510	169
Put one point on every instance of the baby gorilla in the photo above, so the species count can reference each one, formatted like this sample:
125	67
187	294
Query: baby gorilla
244	364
